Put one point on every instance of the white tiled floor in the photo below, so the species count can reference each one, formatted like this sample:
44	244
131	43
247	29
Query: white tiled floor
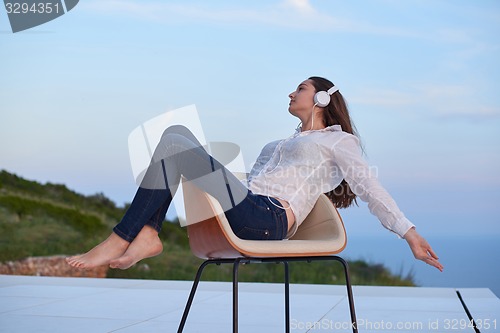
47	304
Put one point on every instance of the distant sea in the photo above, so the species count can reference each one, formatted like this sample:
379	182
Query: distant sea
468	262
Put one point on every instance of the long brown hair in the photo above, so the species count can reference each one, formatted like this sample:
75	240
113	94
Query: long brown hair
336	113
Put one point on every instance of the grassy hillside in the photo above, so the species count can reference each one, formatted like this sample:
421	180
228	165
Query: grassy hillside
49	219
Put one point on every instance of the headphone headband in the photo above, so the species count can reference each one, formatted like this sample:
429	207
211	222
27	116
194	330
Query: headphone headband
322	98
332	90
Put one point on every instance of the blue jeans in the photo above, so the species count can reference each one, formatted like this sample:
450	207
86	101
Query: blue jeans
178	154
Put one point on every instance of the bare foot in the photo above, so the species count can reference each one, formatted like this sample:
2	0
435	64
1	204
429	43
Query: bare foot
147	244
113	247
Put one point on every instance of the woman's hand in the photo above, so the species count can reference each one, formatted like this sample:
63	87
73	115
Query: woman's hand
421	249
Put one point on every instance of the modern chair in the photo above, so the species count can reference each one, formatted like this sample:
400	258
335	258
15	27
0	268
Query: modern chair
319	237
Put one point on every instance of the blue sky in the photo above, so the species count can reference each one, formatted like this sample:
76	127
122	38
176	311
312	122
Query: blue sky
421	79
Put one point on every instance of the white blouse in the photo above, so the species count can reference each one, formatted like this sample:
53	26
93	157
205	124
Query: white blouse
298	169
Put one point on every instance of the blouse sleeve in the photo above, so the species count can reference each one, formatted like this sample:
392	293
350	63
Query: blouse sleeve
364	183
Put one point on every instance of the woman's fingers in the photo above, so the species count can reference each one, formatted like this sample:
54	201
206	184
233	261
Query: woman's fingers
422	250
432	260
432	253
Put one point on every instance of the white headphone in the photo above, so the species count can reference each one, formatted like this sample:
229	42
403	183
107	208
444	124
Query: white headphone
322	98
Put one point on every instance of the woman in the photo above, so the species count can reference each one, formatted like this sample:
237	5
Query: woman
323	156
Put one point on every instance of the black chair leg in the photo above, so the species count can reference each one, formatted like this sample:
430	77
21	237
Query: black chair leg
349	294
195	286
235	294
322	258
287	297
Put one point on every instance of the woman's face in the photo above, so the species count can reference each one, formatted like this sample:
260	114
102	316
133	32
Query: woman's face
302	99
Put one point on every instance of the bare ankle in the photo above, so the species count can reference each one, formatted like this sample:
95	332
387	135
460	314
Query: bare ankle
147	244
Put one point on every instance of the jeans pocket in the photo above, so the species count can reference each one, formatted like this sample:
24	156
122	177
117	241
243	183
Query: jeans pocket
253	234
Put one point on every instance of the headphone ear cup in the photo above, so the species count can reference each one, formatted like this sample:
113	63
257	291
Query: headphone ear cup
322	99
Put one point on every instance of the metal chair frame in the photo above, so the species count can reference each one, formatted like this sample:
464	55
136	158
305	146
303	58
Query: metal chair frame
285	260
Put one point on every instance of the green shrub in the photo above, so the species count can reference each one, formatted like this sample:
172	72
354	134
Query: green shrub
86	223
